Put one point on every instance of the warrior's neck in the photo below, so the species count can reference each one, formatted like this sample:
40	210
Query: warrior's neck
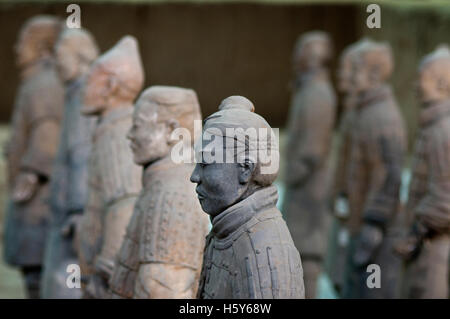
377	93
435	111
240	213
116	108
160	164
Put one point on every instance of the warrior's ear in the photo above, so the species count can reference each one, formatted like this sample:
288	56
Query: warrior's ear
113	84
171	124
246	170
110	88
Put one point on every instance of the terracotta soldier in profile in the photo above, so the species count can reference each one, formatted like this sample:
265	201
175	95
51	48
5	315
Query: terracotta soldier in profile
162	252
249	252
114	180
75	51
32	148
377	149
310	130
426	248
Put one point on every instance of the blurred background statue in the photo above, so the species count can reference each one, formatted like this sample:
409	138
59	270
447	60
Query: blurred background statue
114	180
338	234
32	148
377	148
426	248
310	130
249	252
75	51
162	253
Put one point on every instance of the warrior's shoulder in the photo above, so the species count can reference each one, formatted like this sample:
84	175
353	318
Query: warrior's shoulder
268	228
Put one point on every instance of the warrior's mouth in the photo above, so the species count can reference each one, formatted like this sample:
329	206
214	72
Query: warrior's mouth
133	146
199	194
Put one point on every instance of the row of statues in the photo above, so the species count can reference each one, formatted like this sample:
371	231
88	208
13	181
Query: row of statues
410	243
93	181
120	206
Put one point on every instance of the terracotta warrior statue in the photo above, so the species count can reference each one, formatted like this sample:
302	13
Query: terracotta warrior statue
32	148
249	252
426	248
345	87
339	236
377	148
163	249
75	51
310	129
114	180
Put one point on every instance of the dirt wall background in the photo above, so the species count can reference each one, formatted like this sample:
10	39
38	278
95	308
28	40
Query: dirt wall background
218	50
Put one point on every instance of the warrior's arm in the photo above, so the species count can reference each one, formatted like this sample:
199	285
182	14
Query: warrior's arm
434	209
343	155
126	264
36	164
89	231
385	161
78	177
42	148
385	154
315	140
43	114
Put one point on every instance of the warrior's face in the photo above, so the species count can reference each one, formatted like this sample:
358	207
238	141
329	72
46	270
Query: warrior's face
362	79
311	53
75	50
218	186
26	51
149	138
432	84
221	185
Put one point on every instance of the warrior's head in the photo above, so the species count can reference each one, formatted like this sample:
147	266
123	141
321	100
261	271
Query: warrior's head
372	66
160	110
37	39
75	50
433	83
312	51
232	161
114	79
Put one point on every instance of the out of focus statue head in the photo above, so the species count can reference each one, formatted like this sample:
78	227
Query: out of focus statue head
158	112
434	76
373	65
114	79
37	39
75	50
312	50
345	68
236	155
